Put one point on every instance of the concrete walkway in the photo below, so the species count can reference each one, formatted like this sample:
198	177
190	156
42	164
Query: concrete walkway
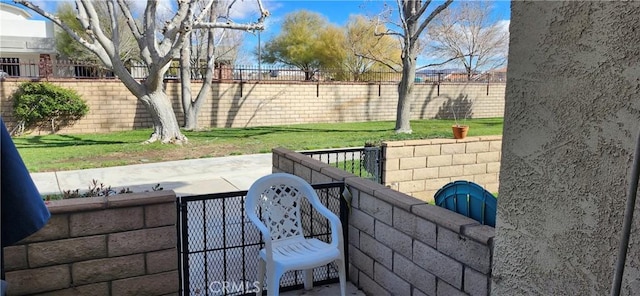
185	177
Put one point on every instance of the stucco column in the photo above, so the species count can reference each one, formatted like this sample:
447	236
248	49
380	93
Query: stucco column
571	118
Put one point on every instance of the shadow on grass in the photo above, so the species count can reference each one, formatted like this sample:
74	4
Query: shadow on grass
53	141
489	122
261	131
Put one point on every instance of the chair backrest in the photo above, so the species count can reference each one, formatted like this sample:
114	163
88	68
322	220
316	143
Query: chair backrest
469	199
279	196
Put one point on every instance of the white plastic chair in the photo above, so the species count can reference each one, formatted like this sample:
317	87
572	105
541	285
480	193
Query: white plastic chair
285	247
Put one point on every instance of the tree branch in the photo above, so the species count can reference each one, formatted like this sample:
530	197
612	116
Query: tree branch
402	16
423	8
437	64
180	23
258	25
431	16
96	29
89	45
385	63
227	25
388	32
149	34
205	11
145	54
115	27
83	18
130	20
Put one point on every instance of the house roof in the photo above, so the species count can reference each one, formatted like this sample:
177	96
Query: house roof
6	10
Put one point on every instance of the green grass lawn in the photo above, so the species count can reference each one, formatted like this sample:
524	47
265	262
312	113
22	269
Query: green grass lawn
81	151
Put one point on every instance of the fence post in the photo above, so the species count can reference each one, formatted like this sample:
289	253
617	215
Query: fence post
344	220
488	81
183	247
241	94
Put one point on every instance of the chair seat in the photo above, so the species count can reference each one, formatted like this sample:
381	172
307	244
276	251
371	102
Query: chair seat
298	253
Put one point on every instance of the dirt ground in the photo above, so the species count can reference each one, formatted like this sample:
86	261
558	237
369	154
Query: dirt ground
188	151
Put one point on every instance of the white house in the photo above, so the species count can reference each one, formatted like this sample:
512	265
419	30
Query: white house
26	46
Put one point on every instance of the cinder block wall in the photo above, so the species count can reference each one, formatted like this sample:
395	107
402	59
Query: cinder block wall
399	245
234	104
420	167
120	245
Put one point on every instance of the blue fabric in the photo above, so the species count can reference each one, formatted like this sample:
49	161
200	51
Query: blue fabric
23	211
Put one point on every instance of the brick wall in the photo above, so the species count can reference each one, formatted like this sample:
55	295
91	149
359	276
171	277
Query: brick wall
234	104
400	245
120	245
420	167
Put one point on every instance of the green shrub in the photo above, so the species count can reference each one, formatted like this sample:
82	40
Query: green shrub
41	104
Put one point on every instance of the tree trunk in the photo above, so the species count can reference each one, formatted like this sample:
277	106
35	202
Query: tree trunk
190	115
165	124
190	106
405	91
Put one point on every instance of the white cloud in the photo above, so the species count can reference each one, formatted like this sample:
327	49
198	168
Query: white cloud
272	23
247	10
244	9
138	6
503	25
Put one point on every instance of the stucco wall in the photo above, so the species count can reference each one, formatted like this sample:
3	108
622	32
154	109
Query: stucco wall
571	117
114	108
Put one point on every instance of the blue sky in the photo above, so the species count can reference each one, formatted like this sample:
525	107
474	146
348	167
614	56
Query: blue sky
336	11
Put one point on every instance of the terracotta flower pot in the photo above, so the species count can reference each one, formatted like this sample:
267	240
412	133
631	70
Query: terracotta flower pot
460	131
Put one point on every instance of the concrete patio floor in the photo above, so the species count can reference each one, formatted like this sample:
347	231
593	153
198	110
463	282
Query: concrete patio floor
325	290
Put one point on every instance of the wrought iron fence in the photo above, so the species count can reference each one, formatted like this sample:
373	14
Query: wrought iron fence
276	73
17	68
365	162
218	245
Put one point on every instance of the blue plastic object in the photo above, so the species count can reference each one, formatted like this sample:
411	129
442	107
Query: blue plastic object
469	199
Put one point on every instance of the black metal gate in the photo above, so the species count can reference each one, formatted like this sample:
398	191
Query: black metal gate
218	246
364	162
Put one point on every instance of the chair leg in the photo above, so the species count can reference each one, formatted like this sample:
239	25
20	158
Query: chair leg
343	276
308	279
262	265
273	279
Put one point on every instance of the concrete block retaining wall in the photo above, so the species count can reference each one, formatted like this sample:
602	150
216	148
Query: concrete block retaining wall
234	104
420	167
120	245
400	245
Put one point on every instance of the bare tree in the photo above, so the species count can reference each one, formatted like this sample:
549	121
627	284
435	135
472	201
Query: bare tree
469	37
412	22
202	52
159	42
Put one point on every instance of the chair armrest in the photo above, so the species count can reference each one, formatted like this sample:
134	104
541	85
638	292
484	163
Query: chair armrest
266	235
334	220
